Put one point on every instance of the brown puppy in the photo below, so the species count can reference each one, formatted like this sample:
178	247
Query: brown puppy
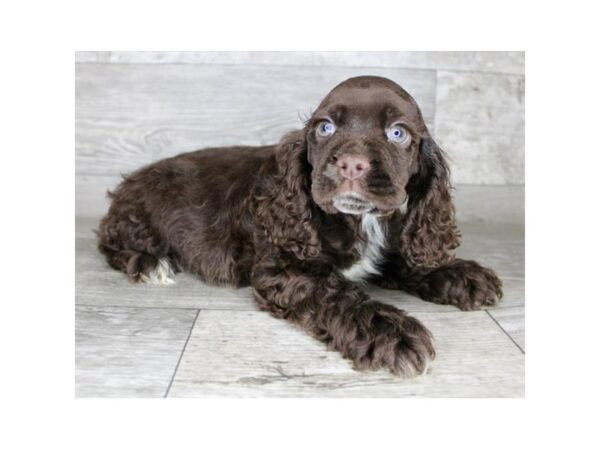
305	220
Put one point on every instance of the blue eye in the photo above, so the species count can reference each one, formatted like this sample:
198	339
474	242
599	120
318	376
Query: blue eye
398	134
325	128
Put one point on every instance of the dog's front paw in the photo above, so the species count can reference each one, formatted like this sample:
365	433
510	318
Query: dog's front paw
393	340
466	284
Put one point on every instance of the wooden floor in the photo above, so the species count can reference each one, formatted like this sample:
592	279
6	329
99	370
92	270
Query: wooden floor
194	340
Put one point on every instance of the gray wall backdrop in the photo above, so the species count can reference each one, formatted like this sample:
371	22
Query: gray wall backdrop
133	108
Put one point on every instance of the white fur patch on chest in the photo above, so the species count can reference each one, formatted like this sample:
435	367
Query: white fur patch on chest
371	252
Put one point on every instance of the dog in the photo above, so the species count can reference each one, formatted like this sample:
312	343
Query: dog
360	194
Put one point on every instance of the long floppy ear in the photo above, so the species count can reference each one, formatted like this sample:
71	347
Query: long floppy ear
285	207
429	233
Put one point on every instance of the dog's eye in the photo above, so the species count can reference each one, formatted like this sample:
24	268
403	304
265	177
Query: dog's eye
325	129
398	134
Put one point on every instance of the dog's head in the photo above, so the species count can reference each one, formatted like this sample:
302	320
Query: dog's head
367	150
363	145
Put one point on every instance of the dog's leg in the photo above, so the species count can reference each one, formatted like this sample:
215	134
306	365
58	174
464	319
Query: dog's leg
135	248
372	334
464	284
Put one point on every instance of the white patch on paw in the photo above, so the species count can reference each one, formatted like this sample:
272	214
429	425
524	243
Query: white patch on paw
428	362
408	370
371	251
161	275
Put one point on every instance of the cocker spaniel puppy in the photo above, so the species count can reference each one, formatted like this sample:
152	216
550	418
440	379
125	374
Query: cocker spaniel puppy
361	193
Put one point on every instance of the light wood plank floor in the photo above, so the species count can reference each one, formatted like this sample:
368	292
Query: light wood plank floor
194	340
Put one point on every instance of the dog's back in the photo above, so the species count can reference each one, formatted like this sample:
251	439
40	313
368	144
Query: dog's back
184	213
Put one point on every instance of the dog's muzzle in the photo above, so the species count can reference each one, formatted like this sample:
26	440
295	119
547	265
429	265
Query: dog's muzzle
352	203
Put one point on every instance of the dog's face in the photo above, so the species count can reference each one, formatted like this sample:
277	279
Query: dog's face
363	143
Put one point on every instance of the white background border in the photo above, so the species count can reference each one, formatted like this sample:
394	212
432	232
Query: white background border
38	41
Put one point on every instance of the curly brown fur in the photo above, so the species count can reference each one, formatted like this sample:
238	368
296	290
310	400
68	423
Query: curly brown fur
464	284
429	233
305	221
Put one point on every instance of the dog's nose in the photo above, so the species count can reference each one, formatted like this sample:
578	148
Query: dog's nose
352	166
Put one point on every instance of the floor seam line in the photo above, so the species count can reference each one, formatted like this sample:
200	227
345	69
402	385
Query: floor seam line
505	332
249	309
184	308
181	354
96	305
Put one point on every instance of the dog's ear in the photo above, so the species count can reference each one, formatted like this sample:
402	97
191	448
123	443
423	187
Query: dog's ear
429	233
288	211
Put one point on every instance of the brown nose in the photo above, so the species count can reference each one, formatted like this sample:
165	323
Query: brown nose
353	166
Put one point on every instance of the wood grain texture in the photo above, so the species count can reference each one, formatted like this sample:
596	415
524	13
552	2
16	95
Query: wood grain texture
499	246
480	123
500	62
250	354
98	284
512	321
128	352
498	204
128	115
90	194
